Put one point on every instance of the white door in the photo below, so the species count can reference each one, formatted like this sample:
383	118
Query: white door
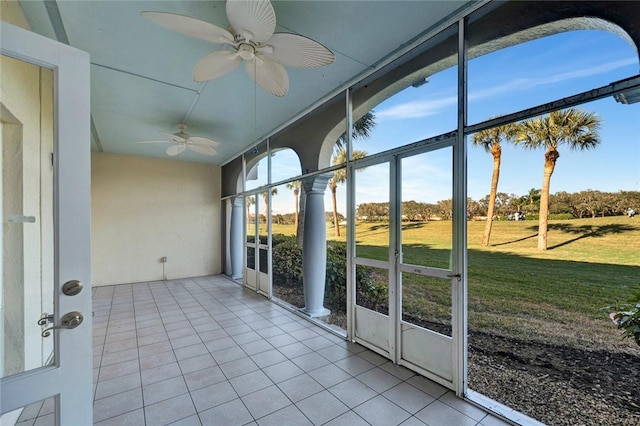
257	245
424	278
252	250
45	228
404	283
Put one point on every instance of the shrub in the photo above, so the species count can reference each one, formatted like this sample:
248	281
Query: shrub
287	264
626	316
371	294
277	239
287	272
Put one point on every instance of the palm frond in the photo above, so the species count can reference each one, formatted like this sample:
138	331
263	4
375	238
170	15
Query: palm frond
494	136
362	128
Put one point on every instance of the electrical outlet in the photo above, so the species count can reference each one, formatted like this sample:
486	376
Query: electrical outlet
163	259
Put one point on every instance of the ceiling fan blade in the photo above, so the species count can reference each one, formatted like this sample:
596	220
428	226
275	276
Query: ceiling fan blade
174	150
216	65
153	142
293	50
269	75
206	150
251	19
198	140
190	26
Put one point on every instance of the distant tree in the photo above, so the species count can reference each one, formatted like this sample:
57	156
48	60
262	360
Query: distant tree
562	202
361	130
573	127
295	186
340	176
445	209
532	200
265	197
473	208
491	140
249	201
503	203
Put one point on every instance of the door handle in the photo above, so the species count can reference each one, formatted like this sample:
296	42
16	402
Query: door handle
69	321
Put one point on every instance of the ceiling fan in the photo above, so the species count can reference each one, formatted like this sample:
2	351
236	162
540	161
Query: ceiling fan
181	140
252	41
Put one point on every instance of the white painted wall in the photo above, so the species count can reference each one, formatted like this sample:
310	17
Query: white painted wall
143	209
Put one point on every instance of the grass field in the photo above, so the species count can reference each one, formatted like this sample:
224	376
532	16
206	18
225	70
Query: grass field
539	340
515	290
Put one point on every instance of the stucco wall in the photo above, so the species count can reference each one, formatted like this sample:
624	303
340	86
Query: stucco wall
26	112
143	209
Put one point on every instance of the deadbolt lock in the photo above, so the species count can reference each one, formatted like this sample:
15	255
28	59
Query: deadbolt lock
72	287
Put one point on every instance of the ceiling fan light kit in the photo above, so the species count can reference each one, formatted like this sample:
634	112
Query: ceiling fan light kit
252	41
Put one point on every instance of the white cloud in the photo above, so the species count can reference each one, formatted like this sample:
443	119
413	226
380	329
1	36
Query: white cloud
425	108
522	84
417	109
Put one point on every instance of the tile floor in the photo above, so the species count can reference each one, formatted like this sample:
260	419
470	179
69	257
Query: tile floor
204	351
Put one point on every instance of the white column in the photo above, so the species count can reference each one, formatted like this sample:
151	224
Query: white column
236	238
314	249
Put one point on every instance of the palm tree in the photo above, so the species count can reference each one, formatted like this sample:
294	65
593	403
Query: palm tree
249	201
295	186
490	140
340	176
361	130
265	197
533	199
573	127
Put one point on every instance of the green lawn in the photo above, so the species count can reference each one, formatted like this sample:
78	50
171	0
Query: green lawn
515	290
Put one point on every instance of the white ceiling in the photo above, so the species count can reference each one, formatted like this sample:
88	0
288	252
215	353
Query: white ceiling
141	73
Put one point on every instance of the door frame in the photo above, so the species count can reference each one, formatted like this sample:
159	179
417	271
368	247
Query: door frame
255	279
70	377
394	264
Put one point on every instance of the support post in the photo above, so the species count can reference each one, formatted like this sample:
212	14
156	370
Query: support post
314	249
236	237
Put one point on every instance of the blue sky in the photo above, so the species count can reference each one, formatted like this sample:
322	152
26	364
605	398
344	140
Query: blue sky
499	83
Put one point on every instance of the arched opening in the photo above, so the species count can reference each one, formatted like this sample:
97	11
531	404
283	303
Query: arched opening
535	316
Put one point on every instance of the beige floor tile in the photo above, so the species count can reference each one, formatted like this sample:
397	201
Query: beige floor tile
265	401
322	407
379	411
233	413
169	410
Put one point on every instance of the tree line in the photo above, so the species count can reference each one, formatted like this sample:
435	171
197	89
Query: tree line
578	205
572	128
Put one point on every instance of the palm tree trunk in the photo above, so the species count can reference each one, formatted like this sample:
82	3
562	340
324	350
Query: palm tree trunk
550	158
300	228
336	225
266	208
295	194
496	151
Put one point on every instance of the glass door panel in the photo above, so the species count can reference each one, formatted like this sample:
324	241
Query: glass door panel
426	302
425	243
426	238
372	212
251	206
263	243
27	224
372	236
